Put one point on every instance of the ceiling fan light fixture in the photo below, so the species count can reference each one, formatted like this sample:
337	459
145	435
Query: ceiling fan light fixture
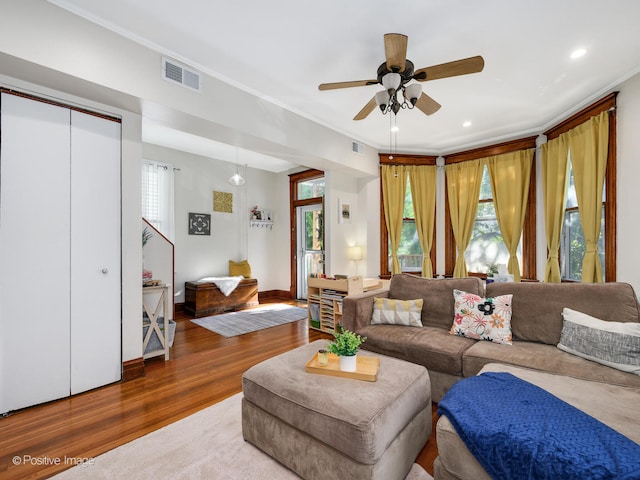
382	100
391	82
412	93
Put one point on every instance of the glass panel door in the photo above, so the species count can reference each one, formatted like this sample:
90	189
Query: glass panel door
310	244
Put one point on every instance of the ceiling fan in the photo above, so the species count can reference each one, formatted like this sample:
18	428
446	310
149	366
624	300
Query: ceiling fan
396	73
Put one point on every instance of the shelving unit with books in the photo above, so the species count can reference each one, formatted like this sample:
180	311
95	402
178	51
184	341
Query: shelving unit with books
325	295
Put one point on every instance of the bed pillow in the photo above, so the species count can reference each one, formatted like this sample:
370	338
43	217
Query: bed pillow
482	318
615	344
397	312
239	269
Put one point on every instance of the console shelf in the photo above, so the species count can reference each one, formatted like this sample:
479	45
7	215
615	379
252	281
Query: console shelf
324	299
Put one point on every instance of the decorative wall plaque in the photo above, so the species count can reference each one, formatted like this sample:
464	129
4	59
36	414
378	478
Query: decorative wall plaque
199	224
223	202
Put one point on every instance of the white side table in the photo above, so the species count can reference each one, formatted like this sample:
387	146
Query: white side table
161	307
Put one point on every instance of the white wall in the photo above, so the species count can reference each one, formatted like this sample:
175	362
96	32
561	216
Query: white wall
628	150
340	235
196	178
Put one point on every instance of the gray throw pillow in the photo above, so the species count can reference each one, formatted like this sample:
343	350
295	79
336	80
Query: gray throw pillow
615	344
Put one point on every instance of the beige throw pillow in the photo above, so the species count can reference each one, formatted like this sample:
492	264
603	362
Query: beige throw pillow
397	312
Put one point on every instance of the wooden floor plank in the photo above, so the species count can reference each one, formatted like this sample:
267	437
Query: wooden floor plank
204	369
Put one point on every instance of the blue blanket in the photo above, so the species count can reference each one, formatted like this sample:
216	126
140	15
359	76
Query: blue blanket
517	430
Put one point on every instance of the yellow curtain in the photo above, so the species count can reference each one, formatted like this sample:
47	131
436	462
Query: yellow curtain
463	189
423	193
555	155
394	184
589	144
510	174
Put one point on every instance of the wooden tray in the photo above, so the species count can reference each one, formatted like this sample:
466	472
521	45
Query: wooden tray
366	368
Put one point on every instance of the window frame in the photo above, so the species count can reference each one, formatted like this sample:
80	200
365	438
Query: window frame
607	103
396	159
529	226
294	203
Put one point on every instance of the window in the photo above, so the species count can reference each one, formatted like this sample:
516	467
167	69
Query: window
573	245
486	226
157	196
312	188
570	268
487	248
409	250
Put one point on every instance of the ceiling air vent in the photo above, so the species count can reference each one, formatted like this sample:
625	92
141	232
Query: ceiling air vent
357	147
180	74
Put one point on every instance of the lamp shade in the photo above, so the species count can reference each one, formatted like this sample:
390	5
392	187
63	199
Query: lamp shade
382	99
391	81
355	253
412	92
236	179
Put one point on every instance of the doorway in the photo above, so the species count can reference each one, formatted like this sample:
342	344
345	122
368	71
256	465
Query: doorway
310	243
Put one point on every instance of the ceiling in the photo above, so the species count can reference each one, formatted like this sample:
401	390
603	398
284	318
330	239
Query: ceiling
281	50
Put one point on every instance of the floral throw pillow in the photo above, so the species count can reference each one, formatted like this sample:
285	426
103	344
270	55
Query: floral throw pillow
482	318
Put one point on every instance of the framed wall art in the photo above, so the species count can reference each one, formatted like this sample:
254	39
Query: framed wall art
344	212
199	224
223	202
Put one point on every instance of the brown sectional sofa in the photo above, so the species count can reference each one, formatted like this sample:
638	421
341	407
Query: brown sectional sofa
536	325
608	394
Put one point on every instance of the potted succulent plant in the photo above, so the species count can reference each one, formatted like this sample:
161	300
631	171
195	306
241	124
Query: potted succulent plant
345	345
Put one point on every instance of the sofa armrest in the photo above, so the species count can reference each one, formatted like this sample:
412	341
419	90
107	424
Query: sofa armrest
357	309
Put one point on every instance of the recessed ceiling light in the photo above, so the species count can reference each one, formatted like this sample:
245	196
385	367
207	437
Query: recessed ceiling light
395	128
466	124
580	52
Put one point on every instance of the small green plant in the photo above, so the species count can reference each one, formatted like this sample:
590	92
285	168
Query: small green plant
346	343
146	236
492	270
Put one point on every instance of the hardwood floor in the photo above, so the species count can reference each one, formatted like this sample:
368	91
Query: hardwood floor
204	368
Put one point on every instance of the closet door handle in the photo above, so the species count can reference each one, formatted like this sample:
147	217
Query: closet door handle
105	270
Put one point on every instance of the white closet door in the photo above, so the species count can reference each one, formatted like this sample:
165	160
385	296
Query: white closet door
34	252
95	252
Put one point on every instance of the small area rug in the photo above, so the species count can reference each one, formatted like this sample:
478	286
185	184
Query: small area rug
245	321
206	445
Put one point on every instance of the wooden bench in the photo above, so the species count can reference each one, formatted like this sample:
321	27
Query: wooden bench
202	299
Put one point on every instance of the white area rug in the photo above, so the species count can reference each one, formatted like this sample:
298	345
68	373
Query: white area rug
245	321
206	445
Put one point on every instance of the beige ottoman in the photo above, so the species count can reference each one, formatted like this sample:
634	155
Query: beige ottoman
329	427
615	406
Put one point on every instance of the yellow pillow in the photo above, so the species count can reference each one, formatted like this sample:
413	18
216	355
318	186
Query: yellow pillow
239	268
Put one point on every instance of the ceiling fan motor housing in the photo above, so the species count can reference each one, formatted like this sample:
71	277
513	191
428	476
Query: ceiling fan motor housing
406	75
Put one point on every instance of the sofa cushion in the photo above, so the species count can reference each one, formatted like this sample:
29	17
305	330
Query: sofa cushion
542	357
431	347
437	309
537	307
391	311
615	344
482	318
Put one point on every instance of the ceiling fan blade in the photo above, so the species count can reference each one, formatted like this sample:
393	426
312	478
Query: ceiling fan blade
427	104
395	49
366	110
450	69
355	83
